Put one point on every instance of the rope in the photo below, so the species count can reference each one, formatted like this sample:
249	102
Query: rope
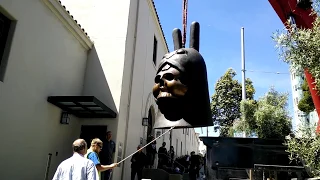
267	72
145	145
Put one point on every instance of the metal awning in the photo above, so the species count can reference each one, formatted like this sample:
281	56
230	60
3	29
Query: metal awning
82	106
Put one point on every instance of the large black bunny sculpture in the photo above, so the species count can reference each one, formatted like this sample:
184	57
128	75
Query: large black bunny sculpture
181	85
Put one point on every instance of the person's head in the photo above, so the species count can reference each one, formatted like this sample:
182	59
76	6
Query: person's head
171	148
96	145
109	135
192	153
163	144
79	146
139	146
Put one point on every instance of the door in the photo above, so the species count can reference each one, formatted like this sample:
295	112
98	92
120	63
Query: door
89	132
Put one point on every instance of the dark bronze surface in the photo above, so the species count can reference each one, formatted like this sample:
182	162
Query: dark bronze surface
181	86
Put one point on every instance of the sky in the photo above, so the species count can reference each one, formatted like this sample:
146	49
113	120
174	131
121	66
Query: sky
220	40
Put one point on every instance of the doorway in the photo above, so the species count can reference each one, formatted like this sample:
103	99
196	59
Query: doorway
89	132
150	130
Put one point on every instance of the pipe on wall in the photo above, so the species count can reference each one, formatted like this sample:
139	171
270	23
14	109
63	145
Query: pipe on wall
48	167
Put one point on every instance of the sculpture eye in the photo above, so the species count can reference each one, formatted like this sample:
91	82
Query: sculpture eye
168	76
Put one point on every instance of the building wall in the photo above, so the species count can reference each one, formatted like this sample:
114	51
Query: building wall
144	70
113	48
45	59
300	118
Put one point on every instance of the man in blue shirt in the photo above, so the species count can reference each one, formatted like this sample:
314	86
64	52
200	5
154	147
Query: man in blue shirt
92	154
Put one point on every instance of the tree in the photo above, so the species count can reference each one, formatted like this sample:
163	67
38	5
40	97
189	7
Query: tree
305	149
306	103
300	47
267	118
225	104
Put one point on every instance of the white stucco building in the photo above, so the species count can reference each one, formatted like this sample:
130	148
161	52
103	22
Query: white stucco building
300	118
51	69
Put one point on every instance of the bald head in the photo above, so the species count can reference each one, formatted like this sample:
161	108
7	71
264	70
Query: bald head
79	146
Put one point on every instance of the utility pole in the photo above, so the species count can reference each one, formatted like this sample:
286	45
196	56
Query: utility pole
243	65
243	69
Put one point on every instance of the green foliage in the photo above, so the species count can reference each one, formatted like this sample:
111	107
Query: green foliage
306	103
301	47
268	117
225	104
305	148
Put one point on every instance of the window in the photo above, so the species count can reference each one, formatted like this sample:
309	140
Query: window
155	49
181	149
5	41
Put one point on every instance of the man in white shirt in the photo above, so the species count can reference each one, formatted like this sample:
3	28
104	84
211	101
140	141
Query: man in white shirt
77	167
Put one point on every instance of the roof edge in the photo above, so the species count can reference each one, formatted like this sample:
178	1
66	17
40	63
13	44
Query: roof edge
156	16
69	22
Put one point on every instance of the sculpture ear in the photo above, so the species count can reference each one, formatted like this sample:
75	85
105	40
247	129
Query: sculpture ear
194	36
177	38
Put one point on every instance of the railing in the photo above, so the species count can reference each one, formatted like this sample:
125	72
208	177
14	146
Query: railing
184	168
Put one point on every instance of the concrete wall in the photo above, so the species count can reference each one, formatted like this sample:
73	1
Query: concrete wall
144	70
45	59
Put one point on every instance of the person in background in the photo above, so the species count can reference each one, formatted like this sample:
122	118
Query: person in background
92	154
162	156
187	162
77	167
171	154
138	162
151	152
194	166
108	154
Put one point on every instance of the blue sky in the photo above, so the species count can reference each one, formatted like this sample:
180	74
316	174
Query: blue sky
220	24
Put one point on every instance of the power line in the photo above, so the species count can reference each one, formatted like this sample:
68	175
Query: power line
268	72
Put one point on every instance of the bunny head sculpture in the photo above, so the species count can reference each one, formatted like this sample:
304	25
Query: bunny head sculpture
181	85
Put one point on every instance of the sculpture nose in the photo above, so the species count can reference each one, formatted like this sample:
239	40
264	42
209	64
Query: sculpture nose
162	79
162	83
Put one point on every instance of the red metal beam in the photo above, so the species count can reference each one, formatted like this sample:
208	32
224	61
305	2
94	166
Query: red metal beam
303	19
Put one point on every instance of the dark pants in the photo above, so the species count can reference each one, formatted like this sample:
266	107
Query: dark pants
106	174
160	163
135	171
192	174
151	158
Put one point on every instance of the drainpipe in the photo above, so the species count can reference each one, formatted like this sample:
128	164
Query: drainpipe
131	79
46	176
